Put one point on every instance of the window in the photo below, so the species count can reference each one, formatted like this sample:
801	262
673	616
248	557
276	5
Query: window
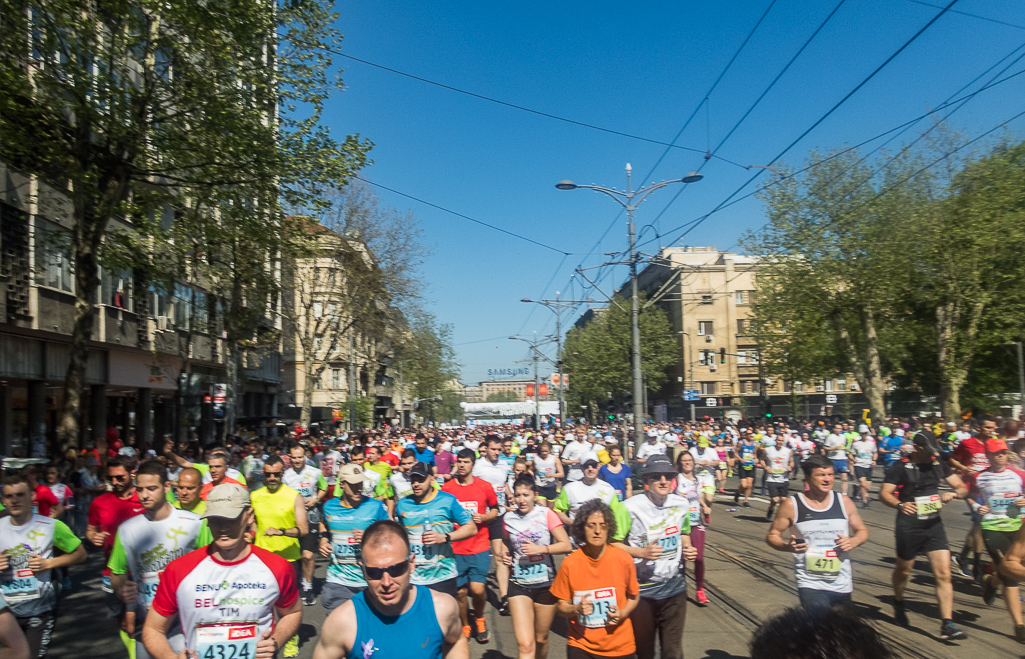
53	257
828	385
741	357
182	306
336	378
754	387
318	309
707	388
841	385
752	356
743	325
706	299
318	344
743	297
705	328
798	387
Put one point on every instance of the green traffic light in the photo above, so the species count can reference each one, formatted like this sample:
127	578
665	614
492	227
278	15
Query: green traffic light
768	415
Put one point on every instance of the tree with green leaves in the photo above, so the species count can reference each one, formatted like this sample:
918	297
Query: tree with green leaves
123	107
597	355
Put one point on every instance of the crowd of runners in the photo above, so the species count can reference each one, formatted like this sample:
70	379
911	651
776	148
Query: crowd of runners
211	554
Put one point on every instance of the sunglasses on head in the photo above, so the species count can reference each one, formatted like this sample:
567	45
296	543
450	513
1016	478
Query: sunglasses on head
377	573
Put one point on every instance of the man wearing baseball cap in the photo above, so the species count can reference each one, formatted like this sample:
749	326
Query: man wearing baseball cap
211	590
577	493
998	494
341	531
431	518
912	487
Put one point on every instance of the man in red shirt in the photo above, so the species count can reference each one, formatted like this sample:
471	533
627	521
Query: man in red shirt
473	555
970	458
106	513
43	499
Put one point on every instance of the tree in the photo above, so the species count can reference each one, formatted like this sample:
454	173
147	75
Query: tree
502	397
124	105
427	351
597	355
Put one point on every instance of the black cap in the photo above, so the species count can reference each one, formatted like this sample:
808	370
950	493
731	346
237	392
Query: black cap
926	440
421	469
659	464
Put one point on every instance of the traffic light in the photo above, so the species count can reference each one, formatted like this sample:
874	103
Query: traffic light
722	355
767	406
612	417
706	357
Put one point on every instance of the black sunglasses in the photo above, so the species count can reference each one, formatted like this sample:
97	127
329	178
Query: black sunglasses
377	573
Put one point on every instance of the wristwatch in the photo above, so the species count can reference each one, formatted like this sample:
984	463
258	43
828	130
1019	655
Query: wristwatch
448	537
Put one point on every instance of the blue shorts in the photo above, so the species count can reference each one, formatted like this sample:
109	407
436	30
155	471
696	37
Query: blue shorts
472	568
840	466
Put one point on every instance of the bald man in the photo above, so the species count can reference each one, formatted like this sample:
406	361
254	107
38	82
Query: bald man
190	483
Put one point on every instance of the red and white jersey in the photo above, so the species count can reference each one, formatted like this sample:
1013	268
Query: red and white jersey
208	594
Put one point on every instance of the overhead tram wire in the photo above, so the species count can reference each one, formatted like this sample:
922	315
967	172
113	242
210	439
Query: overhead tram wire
665	152
698	220
825	116
965	13
465	217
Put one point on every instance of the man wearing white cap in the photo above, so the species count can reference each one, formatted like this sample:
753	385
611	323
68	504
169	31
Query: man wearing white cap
571	456
652	446
213	591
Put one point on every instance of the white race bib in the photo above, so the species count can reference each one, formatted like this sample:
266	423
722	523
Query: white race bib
227	642
928	506
603	599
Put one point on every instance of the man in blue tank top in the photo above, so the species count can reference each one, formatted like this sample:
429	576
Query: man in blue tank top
392	617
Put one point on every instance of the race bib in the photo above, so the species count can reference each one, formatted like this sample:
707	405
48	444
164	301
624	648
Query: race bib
229	642
668	539
344	548
470	507
422	553
603	599
148	586
748	459
1002	504
695	513
21	586
928	506
822	563
777	471
530	570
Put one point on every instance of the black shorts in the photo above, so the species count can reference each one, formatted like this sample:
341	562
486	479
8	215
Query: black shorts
38	632
310	542
814	599
540	594
778	489
448	586
914	540
549	492
997	545
496	528
744	472
863	472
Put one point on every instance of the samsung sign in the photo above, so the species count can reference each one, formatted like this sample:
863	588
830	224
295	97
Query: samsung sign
506	372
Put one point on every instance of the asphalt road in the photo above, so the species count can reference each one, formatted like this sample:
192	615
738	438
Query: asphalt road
747	581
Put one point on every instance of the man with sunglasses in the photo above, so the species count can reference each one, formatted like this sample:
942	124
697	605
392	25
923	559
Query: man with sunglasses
106	513
430	517
575	494
280	520
393	617
227	595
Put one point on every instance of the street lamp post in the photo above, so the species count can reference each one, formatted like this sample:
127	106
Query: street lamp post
535	353
630	200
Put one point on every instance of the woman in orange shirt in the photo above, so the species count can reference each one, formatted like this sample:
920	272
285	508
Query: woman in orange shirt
597	588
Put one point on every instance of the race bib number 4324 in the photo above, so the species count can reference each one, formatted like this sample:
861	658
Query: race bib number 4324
229	642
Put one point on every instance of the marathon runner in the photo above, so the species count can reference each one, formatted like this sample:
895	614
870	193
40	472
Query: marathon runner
190	482
106	513
400	479
12	639
688	487
824	527
836	450
532	535
912	487
146	543
865	454
280	515
651	446
27	563
473	555
778	462
574	495
341	531
548	471
658	539
969	457
571	455
745	459
309	482
215	471
998	495
252	467
430	517
492	470
617	473
383	490
392	618
227	595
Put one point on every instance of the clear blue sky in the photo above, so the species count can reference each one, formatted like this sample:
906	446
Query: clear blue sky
639	69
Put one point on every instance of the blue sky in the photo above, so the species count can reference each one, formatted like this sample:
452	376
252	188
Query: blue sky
640	69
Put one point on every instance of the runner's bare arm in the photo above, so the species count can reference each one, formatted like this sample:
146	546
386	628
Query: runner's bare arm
887	495
447	611
462	533
300	520
287	626
859	532
960	488
337	634
560	472
154	637
783	521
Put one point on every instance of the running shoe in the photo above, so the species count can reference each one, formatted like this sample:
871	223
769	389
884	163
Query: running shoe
747	504
900	615
989	591
1019	633
708	519
309	599
736	498
503	609
466	631
291	648
703	599
955	567
949	632
768	515
483	635
722	490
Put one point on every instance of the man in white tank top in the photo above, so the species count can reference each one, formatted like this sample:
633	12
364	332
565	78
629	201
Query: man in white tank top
824	527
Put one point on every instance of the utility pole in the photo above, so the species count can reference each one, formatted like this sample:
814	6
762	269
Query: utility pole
537	393
352	382
630	200
1021	377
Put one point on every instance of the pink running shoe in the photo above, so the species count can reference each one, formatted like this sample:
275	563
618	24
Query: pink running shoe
701	597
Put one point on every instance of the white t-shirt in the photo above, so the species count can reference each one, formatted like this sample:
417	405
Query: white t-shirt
496	475
864	452
661	577
647	449
329	465
578	493
836	447
778	461
575	450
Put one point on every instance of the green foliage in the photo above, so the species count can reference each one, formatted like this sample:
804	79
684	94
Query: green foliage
430	370
597	355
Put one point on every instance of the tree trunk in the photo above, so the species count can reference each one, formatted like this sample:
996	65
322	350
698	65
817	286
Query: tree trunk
87	234
949	394
877	387
309	385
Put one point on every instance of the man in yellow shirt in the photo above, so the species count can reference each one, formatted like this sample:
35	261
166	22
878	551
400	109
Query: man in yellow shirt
190	482
280	522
